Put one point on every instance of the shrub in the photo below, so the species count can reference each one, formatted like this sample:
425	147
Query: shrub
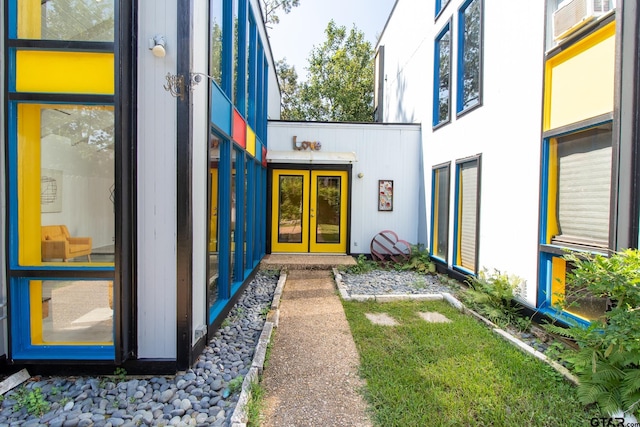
608	362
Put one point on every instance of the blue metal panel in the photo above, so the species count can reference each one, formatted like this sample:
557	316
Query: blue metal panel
456	216
224	222
238	268
241	73
220	109
13	19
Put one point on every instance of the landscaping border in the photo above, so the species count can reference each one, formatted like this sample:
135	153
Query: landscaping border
240	417
344	294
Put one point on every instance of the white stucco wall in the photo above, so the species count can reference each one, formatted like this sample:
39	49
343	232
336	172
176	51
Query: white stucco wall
505	129
156	187
382	152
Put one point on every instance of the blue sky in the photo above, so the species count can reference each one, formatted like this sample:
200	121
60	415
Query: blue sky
302	29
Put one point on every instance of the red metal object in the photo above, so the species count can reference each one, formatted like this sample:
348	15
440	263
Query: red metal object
387	246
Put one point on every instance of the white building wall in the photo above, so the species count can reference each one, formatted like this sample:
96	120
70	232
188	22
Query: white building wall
382	152
505	129
200	164
156	187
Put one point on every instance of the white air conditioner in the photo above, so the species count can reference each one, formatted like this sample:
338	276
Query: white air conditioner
575	14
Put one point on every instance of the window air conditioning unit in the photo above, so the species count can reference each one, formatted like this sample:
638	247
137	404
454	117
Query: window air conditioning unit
575	14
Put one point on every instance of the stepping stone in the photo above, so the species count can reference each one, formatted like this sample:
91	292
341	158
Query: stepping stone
381	319
434	317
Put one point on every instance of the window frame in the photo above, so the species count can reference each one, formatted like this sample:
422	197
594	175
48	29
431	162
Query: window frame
437	77
457	224
435	217
460	77
441	5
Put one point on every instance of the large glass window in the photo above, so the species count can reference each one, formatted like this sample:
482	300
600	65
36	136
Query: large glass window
467	215
440	212
442	77
216	25
214	162
66	183
469	81
73	20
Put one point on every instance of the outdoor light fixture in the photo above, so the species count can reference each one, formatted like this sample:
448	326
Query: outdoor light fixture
157	46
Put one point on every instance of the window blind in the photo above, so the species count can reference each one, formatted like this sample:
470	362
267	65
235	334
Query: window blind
468	214
584	188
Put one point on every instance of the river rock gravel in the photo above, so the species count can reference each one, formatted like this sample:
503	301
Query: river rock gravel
384	282
205	395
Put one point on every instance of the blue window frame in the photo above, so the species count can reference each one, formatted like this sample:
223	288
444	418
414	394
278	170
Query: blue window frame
470	45
440	5
467	215
442	77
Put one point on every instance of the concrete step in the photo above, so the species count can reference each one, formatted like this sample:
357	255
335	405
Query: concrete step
305	261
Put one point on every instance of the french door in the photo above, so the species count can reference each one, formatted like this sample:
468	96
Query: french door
309	211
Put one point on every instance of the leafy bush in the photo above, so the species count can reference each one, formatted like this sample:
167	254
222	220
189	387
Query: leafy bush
363	265
491	295
32	400
608	362
419	261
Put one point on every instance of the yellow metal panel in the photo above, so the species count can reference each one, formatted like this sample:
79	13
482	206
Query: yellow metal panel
251	142
213	236
579	81
29	184
340	247
35	310
30	19
558	275
436	204
64	72
552	192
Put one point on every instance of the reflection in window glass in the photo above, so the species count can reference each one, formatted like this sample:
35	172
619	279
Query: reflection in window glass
214	160
290	209
440	238
328	209
74	20
440	4
236	65
73	311
216	41
441	111
77	184
470	19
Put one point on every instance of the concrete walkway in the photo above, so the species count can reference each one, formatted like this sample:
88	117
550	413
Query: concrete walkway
311	378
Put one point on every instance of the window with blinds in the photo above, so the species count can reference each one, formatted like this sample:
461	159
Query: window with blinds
584	188
467	215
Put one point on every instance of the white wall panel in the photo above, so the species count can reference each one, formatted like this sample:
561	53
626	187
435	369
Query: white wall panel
383	152
156	184
200	101
505	129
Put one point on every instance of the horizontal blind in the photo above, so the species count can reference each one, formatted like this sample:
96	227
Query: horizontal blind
584	187
468	214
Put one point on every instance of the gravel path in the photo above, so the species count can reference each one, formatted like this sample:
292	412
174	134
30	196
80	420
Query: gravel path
201	396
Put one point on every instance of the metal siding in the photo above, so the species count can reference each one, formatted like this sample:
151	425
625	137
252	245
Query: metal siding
156	186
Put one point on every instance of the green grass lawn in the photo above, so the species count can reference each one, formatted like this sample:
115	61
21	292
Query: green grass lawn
454	374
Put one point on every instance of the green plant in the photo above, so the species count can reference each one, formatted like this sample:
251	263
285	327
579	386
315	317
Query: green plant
235	385
226	322
255	404
265	311
419	261
419	284
363	265
54	390
491	294
608	360
65	400
32	400
121	374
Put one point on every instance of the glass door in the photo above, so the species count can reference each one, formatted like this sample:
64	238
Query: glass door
309	211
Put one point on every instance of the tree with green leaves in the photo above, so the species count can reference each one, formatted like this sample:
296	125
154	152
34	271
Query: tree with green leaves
339	84
270	7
